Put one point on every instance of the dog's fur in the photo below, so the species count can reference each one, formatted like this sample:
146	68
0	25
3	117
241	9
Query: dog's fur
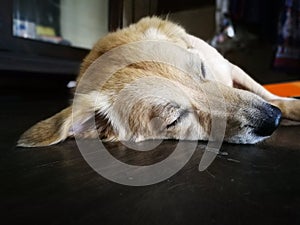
154	100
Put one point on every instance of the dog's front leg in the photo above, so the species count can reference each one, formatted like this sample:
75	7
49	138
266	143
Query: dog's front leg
289	107
231	75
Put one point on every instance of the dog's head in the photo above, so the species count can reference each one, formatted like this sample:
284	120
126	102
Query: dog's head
155	107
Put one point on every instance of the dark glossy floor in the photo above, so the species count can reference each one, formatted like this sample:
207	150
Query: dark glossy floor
246	184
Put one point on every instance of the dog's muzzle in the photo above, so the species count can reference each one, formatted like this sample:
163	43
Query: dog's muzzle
269	122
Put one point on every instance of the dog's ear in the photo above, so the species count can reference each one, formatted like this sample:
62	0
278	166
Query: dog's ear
49	131
93	125
62	125
104	128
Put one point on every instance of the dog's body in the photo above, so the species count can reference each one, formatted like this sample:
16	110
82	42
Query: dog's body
152	99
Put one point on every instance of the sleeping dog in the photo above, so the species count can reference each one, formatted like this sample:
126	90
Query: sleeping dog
152	80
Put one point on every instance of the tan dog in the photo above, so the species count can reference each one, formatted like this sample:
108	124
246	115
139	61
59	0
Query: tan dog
152	99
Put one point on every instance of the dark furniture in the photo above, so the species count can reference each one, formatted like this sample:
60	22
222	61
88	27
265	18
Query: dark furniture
19	54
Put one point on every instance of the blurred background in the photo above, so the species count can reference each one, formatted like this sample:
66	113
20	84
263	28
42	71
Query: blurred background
43	42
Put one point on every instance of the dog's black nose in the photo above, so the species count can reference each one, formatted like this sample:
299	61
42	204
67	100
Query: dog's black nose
269	122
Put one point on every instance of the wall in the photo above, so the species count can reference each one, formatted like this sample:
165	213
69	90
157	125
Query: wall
84	22
199	22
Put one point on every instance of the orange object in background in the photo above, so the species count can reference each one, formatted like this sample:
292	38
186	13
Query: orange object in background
287	89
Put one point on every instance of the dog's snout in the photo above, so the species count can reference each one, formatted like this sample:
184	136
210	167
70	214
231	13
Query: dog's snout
269	122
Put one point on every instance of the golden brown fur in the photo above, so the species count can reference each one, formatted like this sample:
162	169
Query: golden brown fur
151	99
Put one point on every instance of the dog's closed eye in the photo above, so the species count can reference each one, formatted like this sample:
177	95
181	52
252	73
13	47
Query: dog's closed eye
174	122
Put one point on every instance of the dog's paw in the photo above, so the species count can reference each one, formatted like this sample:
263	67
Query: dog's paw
287	122
289	107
